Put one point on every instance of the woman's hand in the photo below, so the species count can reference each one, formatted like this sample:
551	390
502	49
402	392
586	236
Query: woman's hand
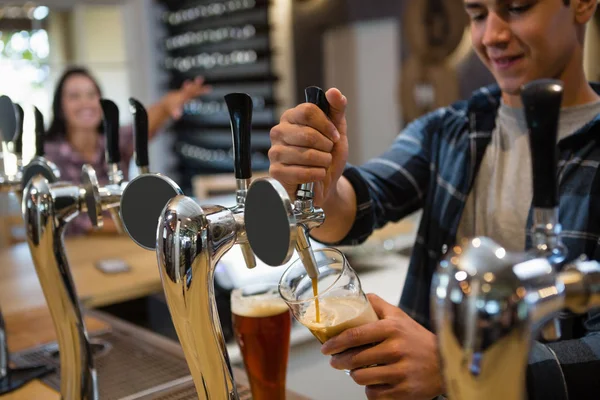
174	101
395	357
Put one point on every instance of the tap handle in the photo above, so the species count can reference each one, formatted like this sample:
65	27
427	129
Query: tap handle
240	113
541	102
140	131
18	138
40	132
8	119
314	95
111	130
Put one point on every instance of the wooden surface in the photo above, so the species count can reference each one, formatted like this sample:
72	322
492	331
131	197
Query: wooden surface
20	289
33	328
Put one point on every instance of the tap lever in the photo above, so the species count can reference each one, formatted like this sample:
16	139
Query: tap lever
314	95
8	119
111	130
142	204
39	165
541	102
240	112
40	132
18	138
140	131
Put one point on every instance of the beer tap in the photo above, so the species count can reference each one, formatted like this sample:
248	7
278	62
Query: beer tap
12	378
274	224
47	210
541	102
488	304
189	242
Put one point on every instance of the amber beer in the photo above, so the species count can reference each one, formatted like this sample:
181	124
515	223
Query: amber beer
336	315
262	325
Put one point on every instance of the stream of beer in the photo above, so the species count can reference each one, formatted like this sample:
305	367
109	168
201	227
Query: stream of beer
315	288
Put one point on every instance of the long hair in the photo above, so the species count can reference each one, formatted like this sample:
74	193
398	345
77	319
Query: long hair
58	126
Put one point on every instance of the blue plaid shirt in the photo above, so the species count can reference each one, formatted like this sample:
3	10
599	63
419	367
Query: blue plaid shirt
431	166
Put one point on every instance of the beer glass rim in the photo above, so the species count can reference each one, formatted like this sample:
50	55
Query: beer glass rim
345	267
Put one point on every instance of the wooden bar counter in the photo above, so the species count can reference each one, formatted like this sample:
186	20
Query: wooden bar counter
20	289
23	305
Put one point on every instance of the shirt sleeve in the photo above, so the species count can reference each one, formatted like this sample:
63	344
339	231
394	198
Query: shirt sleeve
395	184
568	369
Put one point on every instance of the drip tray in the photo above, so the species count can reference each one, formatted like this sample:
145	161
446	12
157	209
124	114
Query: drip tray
131	363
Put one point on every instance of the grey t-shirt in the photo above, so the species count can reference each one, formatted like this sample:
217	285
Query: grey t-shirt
499	202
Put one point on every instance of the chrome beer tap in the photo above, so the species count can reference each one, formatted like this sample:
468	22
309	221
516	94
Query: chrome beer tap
489	304
274	224
13	378
47	210
189	242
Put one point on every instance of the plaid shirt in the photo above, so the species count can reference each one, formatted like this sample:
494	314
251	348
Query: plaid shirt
70	163
431	166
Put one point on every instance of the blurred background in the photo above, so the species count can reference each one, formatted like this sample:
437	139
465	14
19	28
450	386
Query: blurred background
382	54
393	59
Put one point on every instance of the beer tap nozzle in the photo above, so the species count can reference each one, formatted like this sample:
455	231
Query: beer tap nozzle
542	102
275	224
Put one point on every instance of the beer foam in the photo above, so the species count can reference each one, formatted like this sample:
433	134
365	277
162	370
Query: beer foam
334	311
258	306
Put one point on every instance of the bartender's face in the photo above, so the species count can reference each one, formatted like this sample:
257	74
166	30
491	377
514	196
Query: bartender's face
81	103
522	40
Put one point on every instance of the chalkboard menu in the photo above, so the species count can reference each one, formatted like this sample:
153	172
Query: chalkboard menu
229	43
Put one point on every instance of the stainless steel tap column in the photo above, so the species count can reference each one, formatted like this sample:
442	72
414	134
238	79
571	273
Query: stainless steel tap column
189	242
541	102
489	304
47	210
11	181
274	224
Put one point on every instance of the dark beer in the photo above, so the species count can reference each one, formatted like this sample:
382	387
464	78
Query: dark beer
262	331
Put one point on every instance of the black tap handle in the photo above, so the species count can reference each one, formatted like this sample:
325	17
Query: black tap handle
541	103
240	113
40	132
8	119
316	95
140	132
111	130
18	138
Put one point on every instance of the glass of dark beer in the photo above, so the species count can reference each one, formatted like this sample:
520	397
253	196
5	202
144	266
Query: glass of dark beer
262	325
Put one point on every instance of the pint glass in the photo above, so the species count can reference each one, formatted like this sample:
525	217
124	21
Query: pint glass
341	302
261	324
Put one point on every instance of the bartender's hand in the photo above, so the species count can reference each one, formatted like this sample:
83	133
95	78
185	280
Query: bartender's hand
306	147
174	101
405	354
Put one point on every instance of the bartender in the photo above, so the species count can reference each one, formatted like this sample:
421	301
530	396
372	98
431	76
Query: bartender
76	137
468	167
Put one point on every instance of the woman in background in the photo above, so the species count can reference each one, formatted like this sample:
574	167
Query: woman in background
76	136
